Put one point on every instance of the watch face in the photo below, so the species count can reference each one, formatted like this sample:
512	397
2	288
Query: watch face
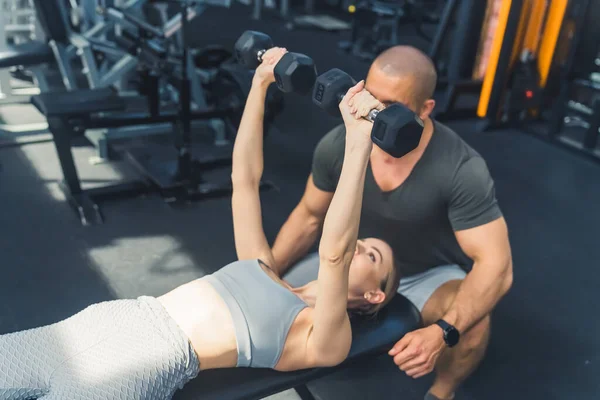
452	337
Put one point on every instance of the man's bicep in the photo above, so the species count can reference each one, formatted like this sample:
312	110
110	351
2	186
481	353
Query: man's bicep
315	200
473	200
488	242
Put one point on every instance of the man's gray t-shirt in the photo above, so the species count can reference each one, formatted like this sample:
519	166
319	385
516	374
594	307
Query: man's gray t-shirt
450	189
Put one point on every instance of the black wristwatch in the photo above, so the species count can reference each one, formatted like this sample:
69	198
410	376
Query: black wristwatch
451	334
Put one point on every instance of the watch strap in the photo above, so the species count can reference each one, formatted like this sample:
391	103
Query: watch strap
443	324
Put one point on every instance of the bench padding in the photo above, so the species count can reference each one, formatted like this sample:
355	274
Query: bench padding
26	55
78	103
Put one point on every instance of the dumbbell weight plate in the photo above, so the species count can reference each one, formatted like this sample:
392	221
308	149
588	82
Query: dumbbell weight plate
247	47
329	89
295	73
397	130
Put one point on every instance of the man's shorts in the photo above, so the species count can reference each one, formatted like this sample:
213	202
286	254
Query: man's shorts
417	288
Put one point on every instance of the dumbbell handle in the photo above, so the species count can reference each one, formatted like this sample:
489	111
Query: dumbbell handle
260	54
372	115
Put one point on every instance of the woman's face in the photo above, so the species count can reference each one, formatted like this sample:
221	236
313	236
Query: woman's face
372	262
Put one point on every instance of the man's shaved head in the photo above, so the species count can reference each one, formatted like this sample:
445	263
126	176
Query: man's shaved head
405	74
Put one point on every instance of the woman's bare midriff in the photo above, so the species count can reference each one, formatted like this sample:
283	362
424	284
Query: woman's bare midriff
204	317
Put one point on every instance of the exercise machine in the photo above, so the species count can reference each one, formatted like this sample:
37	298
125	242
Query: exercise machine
454	53
375	23
129	27
25	60
105	63
532	82
179	179
56	45
18	26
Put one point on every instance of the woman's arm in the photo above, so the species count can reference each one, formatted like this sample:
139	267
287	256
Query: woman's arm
331	336
247	167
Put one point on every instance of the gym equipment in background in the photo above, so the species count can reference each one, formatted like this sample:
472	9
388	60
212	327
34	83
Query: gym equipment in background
454	53
103	63
25	59
166	37
18	27
575	114
576	119
178	177
284	7
375	23
374	27
534	80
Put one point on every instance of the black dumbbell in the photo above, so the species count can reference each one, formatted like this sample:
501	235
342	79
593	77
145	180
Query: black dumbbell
295	72
397	130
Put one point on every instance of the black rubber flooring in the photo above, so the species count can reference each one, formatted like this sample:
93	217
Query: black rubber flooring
544	343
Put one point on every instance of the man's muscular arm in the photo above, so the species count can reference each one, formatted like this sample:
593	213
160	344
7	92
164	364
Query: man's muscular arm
489	280
482	233
302	228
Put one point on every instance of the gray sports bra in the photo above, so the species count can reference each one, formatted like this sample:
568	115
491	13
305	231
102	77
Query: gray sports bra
262	311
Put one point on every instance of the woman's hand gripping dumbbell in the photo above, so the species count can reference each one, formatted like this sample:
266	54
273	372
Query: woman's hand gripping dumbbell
294	72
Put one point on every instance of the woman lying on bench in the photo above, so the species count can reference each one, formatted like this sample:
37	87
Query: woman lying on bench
244	315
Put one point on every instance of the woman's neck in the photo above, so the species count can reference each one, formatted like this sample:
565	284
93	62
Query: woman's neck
308	294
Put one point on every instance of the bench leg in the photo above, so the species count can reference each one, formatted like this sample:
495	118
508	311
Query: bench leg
62	134
304	393
87	210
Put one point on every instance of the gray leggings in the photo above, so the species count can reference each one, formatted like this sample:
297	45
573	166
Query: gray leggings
122	349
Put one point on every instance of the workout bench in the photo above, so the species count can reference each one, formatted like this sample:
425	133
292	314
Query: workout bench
370	338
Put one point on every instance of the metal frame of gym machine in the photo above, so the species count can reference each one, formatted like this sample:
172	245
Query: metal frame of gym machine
576	13
457	81
179	181
18	25
68	46
501	58
171	29
554	69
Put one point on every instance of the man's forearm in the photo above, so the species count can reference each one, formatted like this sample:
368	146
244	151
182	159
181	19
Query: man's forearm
295	238
478	294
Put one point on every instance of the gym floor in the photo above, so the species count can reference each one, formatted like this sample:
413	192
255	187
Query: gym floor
545	333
